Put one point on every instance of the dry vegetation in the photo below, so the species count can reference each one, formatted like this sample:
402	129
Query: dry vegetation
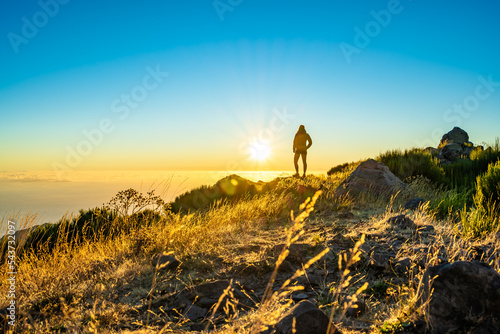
109	283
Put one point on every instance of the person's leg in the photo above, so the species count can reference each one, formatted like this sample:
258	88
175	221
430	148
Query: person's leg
296	163
304	161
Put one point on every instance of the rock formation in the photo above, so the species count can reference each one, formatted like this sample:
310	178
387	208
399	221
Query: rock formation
373	177
462	296
453	146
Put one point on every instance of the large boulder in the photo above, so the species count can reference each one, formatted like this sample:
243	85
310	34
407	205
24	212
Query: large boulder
454	145
462	296
373	177
451	152
456	135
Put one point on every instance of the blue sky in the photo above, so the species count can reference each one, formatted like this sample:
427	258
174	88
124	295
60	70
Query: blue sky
240	71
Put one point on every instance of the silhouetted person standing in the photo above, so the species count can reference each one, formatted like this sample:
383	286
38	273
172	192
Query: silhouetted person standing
301	143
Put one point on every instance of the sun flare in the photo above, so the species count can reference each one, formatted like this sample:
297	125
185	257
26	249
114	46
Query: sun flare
259	150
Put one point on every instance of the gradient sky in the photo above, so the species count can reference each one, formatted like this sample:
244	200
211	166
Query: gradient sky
362	76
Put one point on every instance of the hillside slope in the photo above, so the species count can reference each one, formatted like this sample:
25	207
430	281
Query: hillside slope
238	266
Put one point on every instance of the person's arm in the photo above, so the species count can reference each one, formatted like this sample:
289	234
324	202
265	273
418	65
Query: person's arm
294	143
309	140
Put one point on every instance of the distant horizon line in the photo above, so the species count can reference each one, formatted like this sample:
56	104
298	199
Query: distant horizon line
159	170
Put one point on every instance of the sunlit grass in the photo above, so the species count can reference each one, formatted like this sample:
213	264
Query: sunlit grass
98	283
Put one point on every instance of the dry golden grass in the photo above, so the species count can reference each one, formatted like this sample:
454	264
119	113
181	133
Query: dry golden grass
98	286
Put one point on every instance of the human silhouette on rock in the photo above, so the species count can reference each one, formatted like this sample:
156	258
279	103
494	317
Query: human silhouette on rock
301	143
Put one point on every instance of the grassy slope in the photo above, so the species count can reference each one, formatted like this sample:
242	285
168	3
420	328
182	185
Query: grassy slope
105	284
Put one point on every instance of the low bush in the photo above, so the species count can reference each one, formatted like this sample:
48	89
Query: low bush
338	169
88	225
488	187
484	217
412	163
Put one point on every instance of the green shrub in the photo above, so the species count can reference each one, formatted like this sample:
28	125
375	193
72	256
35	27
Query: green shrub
459	175
338	169
484	218
88	225
130	201
463	173
411	163
488	187
479	222
451	202
488	155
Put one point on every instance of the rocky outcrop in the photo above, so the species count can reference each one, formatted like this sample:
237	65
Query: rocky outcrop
373	177
456	135
451	152
454	145
462	297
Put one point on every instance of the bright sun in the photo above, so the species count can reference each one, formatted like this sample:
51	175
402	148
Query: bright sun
259	150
